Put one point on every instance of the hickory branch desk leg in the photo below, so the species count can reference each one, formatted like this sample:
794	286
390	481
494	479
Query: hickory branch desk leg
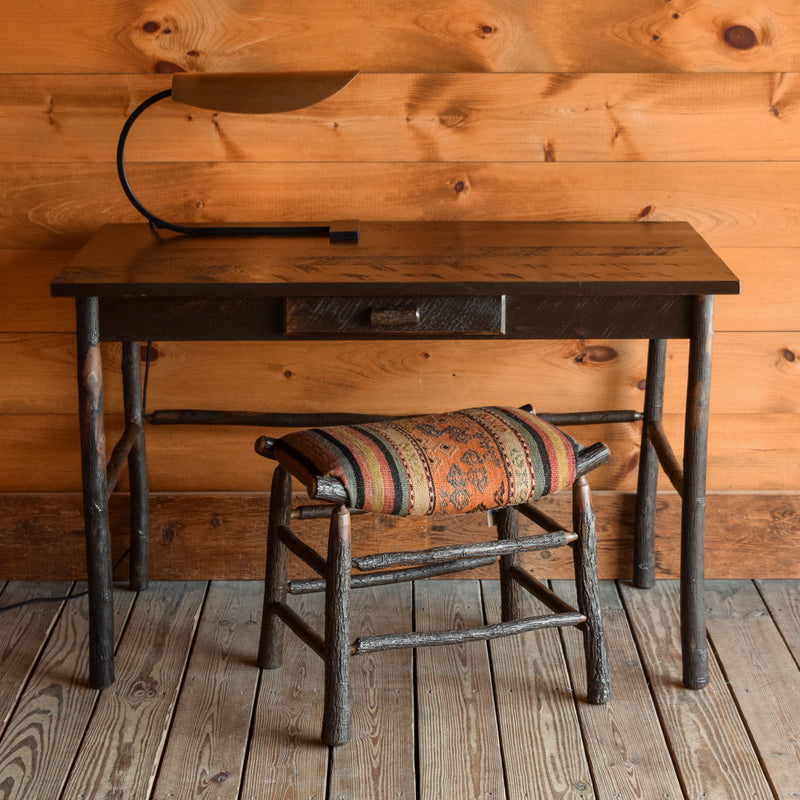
137	465
95	503
695	458
644	546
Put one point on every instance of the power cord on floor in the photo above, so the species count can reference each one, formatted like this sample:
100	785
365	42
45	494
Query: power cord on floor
32	600
147	359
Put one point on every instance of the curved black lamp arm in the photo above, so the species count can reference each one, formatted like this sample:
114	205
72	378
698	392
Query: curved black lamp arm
303	230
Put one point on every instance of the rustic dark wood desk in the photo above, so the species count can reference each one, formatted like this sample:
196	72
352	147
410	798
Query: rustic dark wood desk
653	281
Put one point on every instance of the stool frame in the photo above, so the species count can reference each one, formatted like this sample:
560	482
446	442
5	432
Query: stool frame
339	573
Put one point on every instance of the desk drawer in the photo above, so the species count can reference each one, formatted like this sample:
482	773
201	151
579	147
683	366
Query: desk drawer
415	315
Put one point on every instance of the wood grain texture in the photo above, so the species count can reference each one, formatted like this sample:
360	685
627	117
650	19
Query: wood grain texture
22	634
738	624
731	204
209	735
624	741
305	777
25	302
459	749
124	740
783	601
535	709
770	289
754	372
288	718
43	535
434	257
597	109
769	299
502	35
744	450
44	734
710	745
378	761
383	116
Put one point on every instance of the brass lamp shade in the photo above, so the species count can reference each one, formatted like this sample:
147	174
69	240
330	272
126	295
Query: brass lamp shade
256	92
243	93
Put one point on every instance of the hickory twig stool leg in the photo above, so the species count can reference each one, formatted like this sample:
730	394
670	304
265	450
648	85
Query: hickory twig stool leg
584	549
270	649
336	716
511	592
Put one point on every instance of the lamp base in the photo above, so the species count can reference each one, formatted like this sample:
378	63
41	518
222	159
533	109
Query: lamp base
343	230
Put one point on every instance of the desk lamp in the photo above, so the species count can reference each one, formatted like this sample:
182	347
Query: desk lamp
243	93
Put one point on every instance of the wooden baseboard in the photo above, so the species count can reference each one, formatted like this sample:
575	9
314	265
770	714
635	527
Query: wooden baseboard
221	536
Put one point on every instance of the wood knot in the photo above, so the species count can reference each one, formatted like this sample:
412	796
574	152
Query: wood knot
453	117
151	26
740	37
485	31
460	187
596	354
646	212
154	354
788	355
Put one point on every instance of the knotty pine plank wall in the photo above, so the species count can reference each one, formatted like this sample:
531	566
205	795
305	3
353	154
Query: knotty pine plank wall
506	109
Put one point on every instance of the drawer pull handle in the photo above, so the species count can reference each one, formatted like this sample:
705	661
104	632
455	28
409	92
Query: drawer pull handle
380	317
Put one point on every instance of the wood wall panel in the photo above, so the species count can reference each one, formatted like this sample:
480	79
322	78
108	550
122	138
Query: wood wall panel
25	302
744	204
41	451
222	536
770	290
595	109
418	117
406	35
753	373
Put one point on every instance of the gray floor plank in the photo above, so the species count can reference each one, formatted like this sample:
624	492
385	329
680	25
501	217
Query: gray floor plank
124	740
39	746
23	635
205	753
783	601
286	759
378	761
459	749
543	749
65	741
763	677
707	738
627	751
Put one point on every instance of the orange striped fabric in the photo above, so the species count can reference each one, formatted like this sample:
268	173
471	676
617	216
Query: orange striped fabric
453	463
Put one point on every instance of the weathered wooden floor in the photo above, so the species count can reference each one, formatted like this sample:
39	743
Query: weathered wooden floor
190	715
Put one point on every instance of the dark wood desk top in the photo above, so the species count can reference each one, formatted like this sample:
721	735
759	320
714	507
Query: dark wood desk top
434	258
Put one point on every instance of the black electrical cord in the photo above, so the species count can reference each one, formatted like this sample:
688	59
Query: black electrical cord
61	599
206	230
116	566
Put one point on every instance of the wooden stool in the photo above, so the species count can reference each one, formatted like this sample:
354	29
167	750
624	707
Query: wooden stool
481	459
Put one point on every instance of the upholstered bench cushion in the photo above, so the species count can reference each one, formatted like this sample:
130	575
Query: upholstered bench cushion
452	463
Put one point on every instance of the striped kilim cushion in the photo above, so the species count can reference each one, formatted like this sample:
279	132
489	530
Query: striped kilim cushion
469	460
